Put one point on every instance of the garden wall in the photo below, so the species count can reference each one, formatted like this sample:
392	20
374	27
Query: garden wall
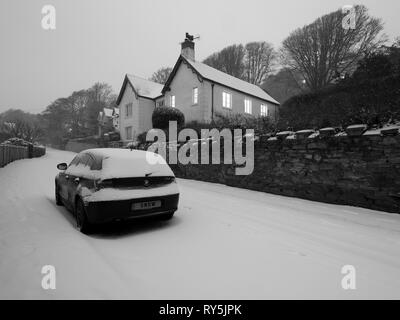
358	169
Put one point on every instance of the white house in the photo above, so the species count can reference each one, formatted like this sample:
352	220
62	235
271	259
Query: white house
137	99
196	89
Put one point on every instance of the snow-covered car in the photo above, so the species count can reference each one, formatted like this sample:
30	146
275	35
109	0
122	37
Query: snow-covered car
105	185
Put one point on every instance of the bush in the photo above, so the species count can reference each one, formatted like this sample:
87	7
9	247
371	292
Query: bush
261	125
17	142
197	126
141	138
163	115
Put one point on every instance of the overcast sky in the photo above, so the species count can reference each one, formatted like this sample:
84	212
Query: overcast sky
101	40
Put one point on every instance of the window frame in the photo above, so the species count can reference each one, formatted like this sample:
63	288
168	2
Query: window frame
172	98
266	113
195	94
126	133
225	94
248	106
129	110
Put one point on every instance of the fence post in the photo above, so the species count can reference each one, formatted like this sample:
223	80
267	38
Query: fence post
1	156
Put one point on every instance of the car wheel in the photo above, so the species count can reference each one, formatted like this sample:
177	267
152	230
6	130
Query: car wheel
58	199
167	216
82	223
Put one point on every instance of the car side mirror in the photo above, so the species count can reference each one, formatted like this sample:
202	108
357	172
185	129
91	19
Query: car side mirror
62	166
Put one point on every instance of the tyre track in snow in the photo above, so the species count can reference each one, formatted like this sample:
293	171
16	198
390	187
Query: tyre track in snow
223	243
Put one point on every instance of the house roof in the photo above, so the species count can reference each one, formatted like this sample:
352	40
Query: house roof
145	88
221	78
142	87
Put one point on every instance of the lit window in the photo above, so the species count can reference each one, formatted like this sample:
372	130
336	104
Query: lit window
172	101
128	133
195	95
247	106
226	100
128	110
264	110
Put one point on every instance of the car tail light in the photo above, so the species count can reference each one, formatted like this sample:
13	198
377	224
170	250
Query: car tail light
104	184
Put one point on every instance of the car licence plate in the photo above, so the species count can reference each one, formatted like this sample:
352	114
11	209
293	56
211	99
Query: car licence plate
146	205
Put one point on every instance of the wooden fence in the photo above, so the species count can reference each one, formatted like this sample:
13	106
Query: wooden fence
10	153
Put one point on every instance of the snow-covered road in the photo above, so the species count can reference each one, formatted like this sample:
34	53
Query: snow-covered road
223	243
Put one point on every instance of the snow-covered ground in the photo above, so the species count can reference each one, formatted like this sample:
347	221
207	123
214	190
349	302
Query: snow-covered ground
223	243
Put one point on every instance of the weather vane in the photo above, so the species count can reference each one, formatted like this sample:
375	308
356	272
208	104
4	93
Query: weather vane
190	37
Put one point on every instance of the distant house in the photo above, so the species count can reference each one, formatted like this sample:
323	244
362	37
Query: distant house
137	99
108	120
196	89
115	117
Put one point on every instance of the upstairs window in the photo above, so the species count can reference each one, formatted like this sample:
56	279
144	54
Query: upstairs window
247	105
195	95
128	110
160	103
264	110
172	101
226	100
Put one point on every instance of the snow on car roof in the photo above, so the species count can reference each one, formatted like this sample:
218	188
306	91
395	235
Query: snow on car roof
126	163
116	152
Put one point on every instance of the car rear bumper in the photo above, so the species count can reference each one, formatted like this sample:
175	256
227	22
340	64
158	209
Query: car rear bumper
108	211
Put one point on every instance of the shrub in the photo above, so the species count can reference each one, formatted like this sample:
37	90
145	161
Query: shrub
141	138
197	126
17	142
261	125
162	115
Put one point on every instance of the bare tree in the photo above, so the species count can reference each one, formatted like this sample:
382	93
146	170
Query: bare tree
259	61
229	60
100	96
22	129
161	75
324	49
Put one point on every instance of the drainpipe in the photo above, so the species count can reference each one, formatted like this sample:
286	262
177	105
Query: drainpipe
212	102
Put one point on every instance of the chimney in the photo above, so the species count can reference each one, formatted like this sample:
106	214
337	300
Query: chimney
188	47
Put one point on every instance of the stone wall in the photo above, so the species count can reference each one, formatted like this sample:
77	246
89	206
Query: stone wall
353	168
